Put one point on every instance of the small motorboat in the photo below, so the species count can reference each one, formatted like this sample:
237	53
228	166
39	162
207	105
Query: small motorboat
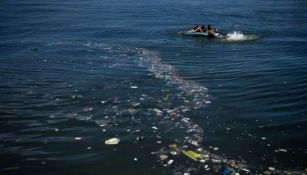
202	34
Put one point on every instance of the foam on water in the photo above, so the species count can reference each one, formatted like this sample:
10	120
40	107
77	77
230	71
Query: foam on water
237	36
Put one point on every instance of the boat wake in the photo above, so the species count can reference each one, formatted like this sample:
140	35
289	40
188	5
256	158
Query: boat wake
238	36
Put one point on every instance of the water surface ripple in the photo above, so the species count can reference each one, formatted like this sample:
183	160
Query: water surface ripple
73	74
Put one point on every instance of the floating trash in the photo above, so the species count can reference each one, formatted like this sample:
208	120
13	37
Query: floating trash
172	146
224	171
154	127
271	168
163	157
112	141
215	148
78	138
140	138
193	155
158	112
170	162
282	150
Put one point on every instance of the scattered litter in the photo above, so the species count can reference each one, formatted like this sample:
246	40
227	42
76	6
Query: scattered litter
271	168
186	174
132	111
154	127
246	170
193	155
56	129
202	160
173	146
194	143
140	138
159	141
173	153
113	141
78	138
163	157
282	150
88	148
206	156
135	104
215	148
267	172
215	161
225	171
158	112
133	87
170	162
135	159
263	138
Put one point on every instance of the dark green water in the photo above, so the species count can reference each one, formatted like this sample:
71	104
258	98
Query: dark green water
75	73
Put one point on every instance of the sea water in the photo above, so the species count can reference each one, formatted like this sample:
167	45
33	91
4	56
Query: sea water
76	73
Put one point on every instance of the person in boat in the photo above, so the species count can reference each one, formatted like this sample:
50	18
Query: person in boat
211	32
195	28
201	28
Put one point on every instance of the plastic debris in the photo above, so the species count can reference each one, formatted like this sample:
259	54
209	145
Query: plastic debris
154	127
140	138
202	160
282	150
194	143
133	87
78	138
224	171
174	153
193	155
163	157
216	161
216	148
135	159
186	174
158	111
271	168
267	172
172	146
246	170
170	162
112	141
